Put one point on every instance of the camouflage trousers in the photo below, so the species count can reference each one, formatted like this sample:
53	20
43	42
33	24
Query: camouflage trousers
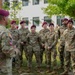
7	68
41	54
61	55
23	48
36	51
49	56
16	61
70	59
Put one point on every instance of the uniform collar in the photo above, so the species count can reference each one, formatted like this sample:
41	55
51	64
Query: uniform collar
2	26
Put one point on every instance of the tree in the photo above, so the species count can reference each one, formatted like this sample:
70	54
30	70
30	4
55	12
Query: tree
60	7
14	7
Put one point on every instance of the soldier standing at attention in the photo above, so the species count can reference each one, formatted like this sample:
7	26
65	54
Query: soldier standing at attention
69	38
51	39
23	33
6	45
61	43
42	33
16	42
34	42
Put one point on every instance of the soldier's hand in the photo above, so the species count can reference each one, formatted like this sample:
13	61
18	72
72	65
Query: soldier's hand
22	43
49	48
43	45
17	52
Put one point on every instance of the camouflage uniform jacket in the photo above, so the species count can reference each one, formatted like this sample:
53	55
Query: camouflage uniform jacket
6	45
60	32
23	33
15	36
69	38
33	39
51	39
42	34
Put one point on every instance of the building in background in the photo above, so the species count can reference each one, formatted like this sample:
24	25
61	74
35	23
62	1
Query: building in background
32	13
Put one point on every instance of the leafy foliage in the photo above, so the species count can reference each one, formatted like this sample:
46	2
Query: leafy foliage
14	7
58	7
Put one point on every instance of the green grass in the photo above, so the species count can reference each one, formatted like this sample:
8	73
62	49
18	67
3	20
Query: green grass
24	67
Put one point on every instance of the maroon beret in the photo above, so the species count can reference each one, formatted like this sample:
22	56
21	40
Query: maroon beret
44	23
65	19
4	13
13	21
22	22
70	21
51	24
33	26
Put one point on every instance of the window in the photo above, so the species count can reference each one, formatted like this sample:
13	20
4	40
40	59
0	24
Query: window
25	2
35	2
59	18
15	2
45	1
47	19
74	22
36	21
6	2
26	20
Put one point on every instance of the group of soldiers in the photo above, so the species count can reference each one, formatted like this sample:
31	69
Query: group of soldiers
14	41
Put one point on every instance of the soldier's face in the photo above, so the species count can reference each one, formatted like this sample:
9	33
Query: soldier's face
23	25
6	19
51	27
33	29
45	26
70	25
13	26
65	22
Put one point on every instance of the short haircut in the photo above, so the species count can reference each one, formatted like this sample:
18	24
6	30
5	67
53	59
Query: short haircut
1	17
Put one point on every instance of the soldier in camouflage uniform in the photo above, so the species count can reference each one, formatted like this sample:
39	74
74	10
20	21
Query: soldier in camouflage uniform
69	38
51	39
61	43
6	45
16	41
23	33
42	32
34	42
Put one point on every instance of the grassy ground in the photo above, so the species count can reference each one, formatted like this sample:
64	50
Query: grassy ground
24	68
